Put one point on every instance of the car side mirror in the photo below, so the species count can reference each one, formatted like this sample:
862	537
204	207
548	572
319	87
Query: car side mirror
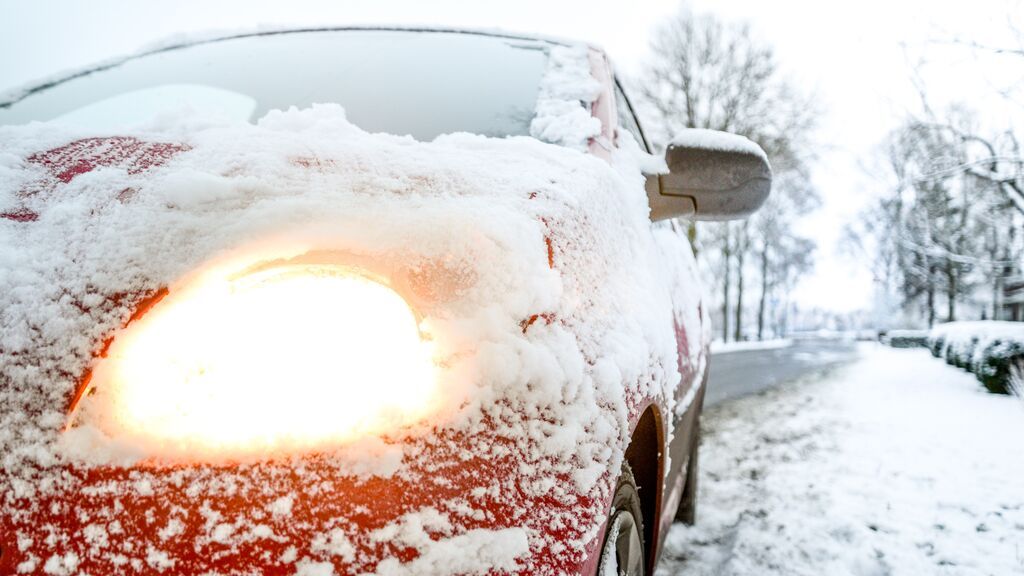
711	176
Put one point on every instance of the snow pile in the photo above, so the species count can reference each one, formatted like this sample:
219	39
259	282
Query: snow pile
889	466
560	118
474	552
609	559
993	351
716	140
532	268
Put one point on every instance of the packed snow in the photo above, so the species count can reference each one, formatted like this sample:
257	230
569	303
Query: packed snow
560	118
532	267
716	140
897	464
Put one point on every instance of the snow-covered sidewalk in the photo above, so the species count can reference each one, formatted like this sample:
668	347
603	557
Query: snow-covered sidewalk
897	464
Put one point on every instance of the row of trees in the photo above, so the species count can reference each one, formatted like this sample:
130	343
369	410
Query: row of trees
948	233
706	73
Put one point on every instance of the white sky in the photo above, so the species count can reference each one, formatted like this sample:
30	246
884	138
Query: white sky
854	55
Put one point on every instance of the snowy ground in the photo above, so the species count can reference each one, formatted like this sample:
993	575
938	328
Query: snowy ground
897	464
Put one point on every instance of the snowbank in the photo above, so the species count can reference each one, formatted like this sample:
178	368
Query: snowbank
885	467
719	347
986	329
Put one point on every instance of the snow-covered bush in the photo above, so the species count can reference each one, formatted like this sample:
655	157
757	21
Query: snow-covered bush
906	338
993	351
1017	377
997	364
960	352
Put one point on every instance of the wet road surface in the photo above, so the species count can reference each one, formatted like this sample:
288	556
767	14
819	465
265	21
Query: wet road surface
744	372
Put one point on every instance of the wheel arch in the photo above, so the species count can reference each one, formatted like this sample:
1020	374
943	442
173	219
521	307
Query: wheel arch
646	457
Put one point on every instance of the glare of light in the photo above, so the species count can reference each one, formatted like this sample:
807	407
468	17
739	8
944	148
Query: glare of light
292	358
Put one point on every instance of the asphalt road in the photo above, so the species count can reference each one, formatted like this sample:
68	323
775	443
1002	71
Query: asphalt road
740	373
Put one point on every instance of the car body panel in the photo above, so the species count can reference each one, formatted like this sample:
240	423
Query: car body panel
180	513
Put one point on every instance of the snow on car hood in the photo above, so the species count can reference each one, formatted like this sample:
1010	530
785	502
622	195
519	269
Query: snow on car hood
559	311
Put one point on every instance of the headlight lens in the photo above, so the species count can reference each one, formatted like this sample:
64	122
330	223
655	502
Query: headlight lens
286	358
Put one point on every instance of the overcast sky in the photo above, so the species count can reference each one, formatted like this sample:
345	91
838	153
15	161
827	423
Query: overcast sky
855	56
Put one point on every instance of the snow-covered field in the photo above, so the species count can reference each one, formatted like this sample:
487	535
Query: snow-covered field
897	464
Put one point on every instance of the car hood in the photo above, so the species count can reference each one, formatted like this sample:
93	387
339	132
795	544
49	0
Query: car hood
532	266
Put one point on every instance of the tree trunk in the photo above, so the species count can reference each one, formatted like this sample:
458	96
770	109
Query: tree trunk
997	292
997	272
764	293
931	296
784	320
738	333
951	290
726	280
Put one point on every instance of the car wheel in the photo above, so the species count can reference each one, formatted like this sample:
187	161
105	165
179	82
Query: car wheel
622	553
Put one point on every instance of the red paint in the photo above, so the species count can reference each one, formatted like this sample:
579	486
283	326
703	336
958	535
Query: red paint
125	196
20	215
547	317
8	548
682	349
135	156
369	505
65	163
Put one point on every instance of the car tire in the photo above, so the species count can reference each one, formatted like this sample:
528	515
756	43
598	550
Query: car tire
623	552
687	510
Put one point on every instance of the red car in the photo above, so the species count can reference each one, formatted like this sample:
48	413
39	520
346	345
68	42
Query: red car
350	301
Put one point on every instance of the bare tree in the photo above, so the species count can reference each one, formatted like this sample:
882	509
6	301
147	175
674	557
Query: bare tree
781	256
948	229
706	73
954	219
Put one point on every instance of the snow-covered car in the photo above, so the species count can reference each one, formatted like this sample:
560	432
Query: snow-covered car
247	329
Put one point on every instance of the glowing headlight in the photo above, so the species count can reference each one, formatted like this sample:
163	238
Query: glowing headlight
294	357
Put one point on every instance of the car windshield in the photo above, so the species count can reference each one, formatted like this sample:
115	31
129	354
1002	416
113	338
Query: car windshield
397	81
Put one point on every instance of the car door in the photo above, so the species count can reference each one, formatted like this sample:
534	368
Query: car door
689	322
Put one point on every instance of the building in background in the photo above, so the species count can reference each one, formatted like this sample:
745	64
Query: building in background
1013	298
